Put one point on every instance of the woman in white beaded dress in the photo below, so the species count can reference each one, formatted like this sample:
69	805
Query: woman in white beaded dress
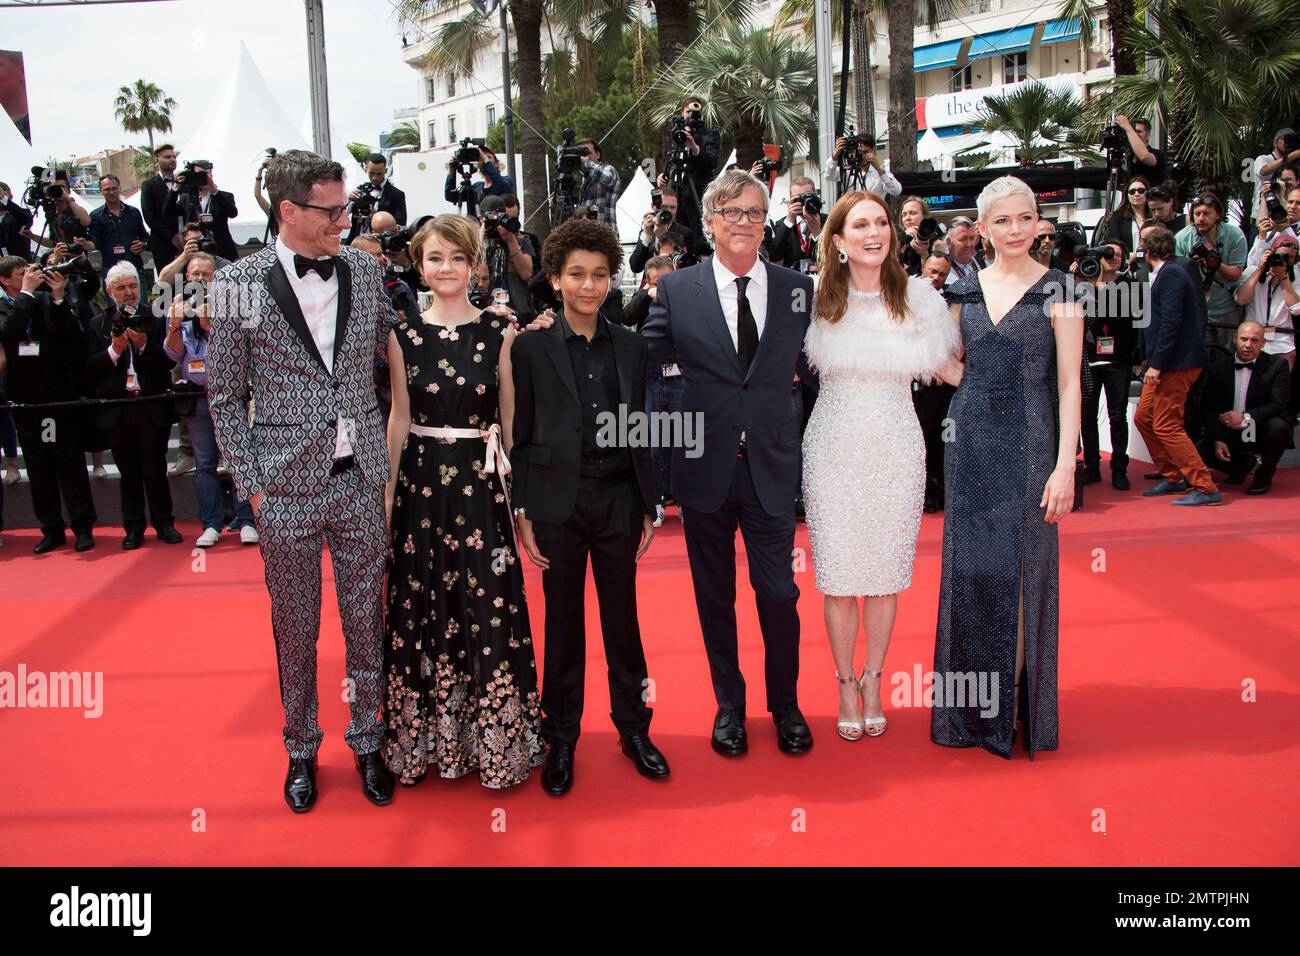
873	331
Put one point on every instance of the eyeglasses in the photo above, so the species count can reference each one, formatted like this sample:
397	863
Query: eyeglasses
1137	191
733	214
333	212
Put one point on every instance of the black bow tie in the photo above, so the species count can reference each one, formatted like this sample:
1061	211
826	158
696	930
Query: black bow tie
1250	364
322	267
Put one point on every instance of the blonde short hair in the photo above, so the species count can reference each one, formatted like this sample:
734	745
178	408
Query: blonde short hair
1004	187
459	231
727	187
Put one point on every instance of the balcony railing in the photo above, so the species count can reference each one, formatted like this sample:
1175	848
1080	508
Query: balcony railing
965	9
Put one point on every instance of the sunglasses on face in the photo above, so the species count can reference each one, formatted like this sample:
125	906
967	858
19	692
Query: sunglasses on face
1137	191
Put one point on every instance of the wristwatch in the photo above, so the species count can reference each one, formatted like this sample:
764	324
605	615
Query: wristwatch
519	513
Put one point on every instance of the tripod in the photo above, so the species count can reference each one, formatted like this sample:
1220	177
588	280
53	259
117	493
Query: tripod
565	193
465	190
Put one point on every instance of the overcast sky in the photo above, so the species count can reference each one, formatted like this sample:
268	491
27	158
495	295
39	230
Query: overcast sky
77	57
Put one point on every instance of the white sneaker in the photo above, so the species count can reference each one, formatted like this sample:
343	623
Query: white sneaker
100	472
184	465
248	535
208	538
659	515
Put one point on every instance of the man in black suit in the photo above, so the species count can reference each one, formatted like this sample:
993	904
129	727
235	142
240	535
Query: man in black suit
703	147
583	487
201	201
1244	408
653	233
14	218
44	346
126	359
735	325
386	197
160	216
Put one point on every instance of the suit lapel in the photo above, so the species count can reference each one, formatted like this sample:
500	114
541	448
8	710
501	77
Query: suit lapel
344	273
708	294
559	354
284	297
622	359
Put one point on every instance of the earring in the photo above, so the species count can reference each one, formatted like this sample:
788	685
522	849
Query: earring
844	256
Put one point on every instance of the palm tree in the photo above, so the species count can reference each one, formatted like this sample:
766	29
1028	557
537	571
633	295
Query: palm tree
1119	13
903	16
1223	78
1044	123
756	84
404	134
143	107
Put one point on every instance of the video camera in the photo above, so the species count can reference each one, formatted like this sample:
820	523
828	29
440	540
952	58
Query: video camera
196	174
468	154
47	185
1089	260
569	158
1113	142
851	156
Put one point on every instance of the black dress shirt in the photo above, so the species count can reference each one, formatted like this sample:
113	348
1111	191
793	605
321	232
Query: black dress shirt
596	375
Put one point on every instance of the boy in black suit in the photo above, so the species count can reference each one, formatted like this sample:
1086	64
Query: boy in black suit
581	488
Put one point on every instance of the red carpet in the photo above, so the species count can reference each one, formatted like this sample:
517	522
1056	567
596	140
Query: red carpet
1157	746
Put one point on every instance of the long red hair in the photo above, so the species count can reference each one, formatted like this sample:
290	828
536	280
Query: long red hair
833	276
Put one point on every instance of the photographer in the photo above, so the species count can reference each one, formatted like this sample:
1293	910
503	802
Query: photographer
509	255
1270	297
918	230
263	203
14	218
403	299
794	238
492	182
1286	207
638	308
193	242
846	163
700	149
44	345
1044	247
1114	306
1163	208
664	382
68	222
659	222
189	325
601	185
1219	249
156	202
1286	151
197	199
513	212
126	359
378	195
962	241
1143	158
116	229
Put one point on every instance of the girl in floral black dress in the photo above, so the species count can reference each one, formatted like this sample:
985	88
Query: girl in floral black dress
461	679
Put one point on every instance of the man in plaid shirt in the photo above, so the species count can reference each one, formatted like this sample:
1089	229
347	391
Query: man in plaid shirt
600	184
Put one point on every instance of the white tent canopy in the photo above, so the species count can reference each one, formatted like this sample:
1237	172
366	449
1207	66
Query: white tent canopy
243	120
632	207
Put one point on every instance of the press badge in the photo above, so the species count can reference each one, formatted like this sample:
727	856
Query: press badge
1106	345
205	217
29	349
195	365
130	382
1270	333
119	250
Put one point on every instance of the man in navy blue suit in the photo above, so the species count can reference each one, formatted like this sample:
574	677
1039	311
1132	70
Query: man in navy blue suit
735	325
1175	355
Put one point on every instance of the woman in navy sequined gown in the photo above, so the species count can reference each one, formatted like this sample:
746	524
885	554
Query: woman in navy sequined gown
1009	476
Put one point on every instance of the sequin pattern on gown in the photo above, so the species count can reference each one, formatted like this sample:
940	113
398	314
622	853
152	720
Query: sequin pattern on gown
864	458
1004	450
461	678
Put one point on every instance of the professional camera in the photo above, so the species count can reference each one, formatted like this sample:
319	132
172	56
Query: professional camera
497	218
766	167
71	265
812	203
394	241
1275	260
194	176
1089	260
569	159
928	230
193	302
587	210
480	298
47	185
468	152
1113	143
684	258
1207	256
663	217
1290	143
136	320
853	143
369	195
1276	211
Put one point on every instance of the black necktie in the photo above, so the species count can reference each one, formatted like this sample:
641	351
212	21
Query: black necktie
322	267
1243	364
746	328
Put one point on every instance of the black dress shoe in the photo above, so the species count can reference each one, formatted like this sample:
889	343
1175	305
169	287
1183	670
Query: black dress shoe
1235	479
376	782
729	737
1119	481
132	540
557	774
1258	487
300	785
792	733
49	542
169	535
649	761
1091	476
84	542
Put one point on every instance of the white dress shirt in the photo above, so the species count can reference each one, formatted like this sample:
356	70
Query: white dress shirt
755	292
1242	385
318	298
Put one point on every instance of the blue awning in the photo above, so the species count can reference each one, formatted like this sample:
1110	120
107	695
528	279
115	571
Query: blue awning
936	56
943	132
1059	31
1004	41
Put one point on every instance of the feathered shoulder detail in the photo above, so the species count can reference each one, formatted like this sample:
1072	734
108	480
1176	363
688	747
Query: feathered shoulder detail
867	342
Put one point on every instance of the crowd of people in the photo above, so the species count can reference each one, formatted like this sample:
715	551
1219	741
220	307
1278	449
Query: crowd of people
906	366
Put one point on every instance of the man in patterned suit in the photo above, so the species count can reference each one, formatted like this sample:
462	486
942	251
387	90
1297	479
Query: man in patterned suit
295	330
